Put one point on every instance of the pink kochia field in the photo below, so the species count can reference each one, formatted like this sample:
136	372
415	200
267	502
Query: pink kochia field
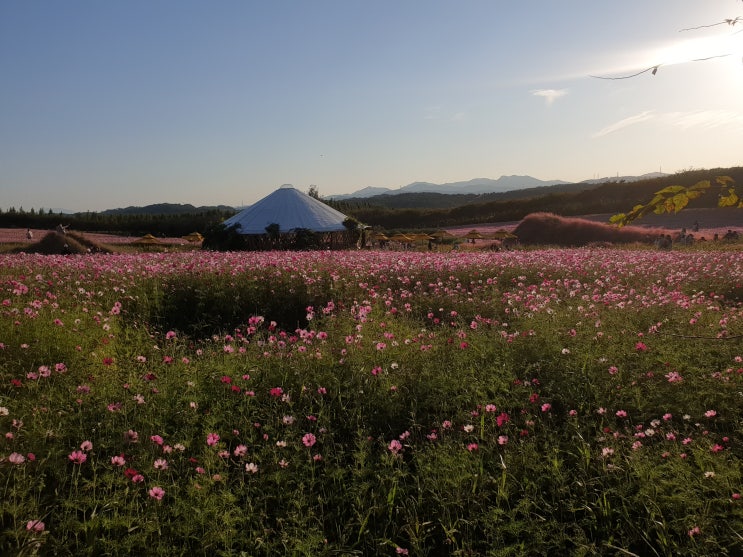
556	402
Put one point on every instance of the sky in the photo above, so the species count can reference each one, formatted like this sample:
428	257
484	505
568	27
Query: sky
119	103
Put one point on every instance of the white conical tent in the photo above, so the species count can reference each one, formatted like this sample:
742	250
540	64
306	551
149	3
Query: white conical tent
290	209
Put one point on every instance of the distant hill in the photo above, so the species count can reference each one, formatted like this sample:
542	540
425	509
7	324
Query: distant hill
623	179
479	186
168	209
435	200
475	186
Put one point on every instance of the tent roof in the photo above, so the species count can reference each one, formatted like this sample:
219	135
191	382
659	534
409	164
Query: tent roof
290	209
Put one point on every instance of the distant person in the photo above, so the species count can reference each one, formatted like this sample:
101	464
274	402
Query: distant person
29	234
696	226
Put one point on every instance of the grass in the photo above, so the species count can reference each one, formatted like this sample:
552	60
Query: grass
582	402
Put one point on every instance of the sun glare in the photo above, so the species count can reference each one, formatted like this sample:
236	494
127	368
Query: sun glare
723	49
697	49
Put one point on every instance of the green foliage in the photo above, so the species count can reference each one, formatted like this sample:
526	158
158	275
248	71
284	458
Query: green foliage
562	483
673	199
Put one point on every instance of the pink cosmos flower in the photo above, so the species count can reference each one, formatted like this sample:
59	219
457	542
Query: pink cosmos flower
131	436
156	439
157	492
308	440
16	458
502	419
240	450
641	347
77	457
212	439
160	464
503	439
35	526
395	447
710	414
86	446
472	447
674	377
621	414
251	468
118	460
170	335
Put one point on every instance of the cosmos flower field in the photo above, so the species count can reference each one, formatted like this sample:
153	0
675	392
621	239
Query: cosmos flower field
553	402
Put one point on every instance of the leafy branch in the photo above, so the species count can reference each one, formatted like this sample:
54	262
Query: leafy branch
673	199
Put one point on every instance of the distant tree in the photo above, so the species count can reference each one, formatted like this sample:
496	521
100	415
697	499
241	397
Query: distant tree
314	192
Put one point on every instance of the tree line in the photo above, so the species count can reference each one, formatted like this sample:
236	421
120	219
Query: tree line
609	198
127	224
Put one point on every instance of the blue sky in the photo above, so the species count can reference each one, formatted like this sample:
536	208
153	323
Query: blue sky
111	104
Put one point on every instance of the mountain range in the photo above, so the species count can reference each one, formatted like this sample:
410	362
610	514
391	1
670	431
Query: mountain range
476	186
482	185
